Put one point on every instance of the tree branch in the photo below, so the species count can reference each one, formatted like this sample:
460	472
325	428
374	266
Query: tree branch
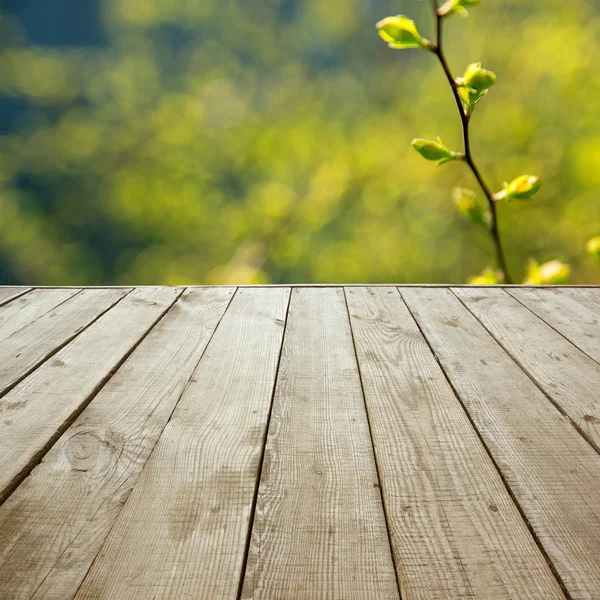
465	118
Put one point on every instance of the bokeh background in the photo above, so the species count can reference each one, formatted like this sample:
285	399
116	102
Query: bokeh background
239	141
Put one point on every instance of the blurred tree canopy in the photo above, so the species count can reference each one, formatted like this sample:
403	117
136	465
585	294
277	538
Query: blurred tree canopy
227	141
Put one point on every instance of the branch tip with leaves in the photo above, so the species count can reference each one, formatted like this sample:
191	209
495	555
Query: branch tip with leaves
400	32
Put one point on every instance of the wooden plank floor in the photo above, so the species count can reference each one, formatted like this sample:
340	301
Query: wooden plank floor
300	443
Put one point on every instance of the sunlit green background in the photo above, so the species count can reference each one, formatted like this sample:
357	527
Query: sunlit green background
238	141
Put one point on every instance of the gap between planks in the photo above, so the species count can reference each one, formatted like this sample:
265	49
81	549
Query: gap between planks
566	375
33	345
570	316
456	530
190	540
549	467
90	471
8	294
268	421
33	419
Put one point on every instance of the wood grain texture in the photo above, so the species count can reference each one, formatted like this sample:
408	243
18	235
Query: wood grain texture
36	412
455	530
574	320
31	306
53	525
319	529
7	294
183	531
567	375
588	297
25	349
552	471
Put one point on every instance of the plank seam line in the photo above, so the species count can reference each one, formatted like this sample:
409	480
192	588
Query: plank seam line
497	467
554	403
45	313
262	456
63	344
163	429
39	455
377	470
17	295
581	300
79	412
552	326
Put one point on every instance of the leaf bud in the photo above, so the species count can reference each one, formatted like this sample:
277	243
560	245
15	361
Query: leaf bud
523	187
549	273
431	150
401	32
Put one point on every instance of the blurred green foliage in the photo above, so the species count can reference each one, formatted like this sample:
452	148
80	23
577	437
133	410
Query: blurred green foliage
227	141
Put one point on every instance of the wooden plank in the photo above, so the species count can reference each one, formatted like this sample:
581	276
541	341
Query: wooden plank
36	412
23	351
7	294
588	297
455	530
574	320
183	532
319	529
567	375
53	525
27	308
553	473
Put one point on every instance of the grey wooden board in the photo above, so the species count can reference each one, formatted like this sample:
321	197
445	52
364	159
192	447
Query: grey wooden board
183	531
53	525
25	349
31	306
552	471
455	530
319	529
35	412
588	297
567	375
7	294
574	320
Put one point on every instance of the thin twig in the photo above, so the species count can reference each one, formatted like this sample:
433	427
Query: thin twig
465	118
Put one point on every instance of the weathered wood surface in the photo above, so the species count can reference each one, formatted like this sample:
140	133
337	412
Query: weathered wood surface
448	510
570	315
86	477
588	297
27	308
183	532
10	293
552	471
37	411
28	347
570	378
422	443
319	529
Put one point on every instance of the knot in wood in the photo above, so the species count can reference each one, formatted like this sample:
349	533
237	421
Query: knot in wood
84	449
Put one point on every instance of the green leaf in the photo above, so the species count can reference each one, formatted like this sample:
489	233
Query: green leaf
401	32
474	84
470	96
550	273
477	78
469	207
521	188
437	151
487	277
456	6
593	247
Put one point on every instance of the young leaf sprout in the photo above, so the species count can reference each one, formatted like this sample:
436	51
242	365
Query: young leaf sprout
401	32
